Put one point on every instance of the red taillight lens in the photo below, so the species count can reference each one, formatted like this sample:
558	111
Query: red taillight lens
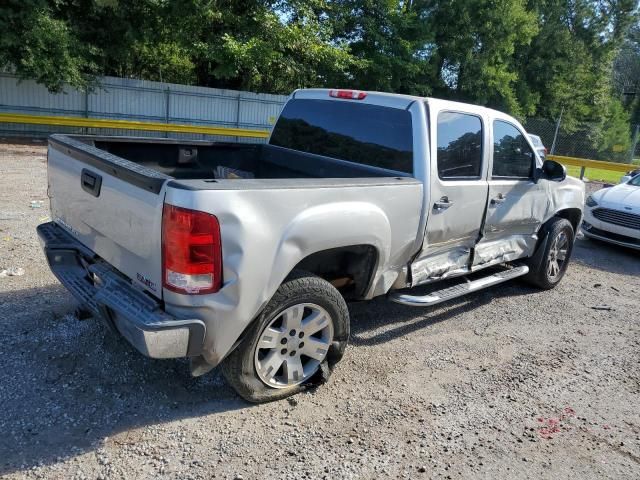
545	150
348	94
191	251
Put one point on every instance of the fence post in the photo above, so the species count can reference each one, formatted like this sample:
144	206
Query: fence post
238	114
167	108
86	107
634	143
555	135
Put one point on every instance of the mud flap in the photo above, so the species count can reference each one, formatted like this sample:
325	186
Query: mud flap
535	260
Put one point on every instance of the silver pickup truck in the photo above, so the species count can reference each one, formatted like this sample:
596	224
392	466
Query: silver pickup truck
244	255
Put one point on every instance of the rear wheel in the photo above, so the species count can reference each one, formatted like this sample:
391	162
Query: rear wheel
298	337
553	261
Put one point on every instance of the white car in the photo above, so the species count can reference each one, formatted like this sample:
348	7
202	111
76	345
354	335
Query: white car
613	214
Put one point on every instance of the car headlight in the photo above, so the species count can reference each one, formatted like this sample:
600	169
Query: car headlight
591	202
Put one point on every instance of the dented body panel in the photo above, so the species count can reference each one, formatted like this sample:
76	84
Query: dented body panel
489	219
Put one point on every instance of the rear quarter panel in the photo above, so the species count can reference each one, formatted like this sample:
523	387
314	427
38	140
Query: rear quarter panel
267	231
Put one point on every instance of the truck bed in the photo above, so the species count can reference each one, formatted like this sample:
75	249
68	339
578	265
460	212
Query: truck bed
200	160
109	193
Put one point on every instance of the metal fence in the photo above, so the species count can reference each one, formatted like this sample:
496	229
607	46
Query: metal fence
142	100
587	141
128	99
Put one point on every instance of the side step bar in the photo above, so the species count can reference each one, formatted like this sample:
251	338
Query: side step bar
456	291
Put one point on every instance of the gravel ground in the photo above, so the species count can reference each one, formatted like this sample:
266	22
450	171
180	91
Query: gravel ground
508	383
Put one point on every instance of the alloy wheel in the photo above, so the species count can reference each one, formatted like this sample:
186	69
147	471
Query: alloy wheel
293	345
557	255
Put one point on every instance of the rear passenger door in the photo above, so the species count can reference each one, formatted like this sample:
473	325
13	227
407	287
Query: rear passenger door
516	204
458	193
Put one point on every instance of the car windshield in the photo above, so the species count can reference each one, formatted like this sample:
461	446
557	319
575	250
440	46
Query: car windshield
635	181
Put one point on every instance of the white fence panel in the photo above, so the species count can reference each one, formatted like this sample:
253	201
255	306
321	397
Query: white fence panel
129	99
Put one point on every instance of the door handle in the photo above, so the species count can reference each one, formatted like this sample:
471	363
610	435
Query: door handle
90	182
442	204
499	199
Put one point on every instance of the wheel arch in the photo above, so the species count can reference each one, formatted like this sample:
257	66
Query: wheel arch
351	268
343	234
574	215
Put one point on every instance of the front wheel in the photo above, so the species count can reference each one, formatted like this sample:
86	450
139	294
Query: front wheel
301	333
551	265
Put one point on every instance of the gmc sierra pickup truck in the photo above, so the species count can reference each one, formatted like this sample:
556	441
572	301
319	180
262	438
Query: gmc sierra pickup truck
244	255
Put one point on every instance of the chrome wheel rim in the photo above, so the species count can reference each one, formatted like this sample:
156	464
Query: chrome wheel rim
557	255
293	345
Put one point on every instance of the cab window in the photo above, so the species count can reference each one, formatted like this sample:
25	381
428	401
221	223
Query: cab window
512	156
459	146
356	132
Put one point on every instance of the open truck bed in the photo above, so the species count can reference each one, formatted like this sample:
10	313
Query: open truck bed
191	160
109	192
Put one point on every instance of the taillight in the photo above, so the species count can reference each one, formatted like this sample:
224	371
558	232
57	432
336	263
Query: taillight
348	94
545	150
191	251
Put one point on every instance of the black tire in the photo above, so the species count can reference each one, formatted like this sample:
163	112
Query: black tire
539	265
300	287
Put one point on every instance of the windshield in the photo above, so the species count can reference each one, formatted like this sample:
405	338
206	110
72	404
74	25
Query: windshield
635	181
356	132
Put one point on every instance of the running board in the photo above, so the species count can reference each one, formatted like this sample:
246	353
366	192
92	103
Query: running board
456	291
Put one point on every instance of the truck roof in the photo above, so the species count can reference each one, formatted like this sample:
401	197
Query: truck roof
397	100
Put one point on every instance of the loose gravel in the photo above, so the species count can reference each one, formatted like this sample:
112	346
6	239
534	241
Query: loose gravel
510	382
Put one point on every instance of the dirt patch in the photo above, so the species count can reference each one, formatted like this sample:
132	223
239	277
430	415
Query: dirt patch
511	382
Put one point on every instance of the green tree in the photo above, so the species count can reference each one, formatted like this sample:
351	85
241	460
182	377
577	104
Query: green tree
526	57
626	73
613	138
37	43
474	54
392	41
568	63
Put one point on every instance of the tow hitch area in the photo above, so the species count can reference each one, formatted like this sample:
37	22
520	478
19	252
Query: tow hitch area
106	293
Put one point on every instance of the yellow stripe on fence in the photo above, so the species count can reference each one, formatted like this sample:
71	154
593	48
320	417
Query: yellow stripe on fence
129	125
583	162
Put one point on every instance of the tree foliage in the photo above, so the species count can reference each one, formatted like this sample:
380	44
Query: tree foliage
527	57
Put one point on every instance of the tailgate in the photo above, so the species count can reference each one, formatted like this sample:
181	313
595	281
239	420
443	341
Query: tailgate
111	205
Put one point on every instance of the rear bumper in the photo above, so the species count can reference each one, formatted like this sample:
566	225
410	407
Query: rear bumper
109	295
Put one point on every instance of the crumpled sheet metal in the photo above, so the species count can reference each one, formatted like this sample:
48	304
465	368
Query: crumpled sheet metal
456	260
504	250
437	265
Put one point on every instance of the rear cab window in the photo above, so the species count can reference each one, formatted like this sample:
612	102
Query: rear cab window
362	133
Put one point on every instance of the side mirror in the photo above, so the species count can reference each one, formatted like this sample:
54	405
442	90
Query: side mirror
551	170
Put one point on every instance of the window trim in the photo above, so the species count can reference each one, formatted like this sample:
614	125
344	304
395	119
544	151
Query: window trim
482	145
533	154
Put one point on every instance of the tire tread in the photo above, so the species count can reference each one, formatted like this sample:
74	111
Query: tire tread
238	367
